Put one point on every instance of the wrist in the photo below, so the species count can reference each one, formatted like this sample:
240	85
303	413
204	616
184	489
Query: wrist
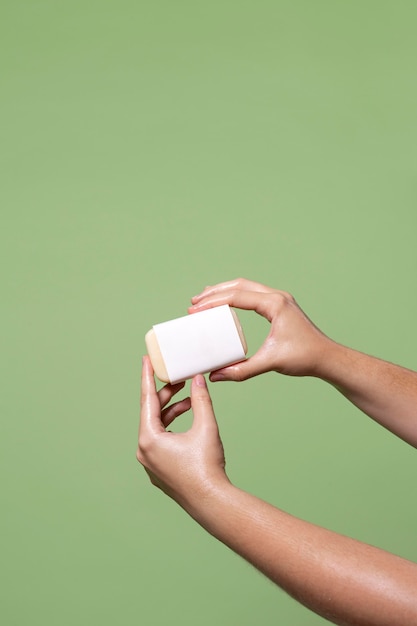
328	360
204	502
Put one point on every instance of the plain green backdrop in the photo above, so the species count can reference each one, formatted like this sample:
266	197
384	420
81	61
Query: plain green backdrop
149	148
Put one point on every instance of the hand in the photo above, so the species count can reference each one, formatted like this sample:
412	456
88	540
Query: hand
294	345
184	465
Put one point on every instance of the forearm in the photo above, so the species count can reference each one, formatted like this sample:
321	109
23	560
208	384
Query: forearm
384	391
339	578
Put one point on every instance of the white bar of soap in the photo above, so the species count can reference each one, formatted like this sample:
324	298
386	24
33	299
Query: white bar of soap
196	344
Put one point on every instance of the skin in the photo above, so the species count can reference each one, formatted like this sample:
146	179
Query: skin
295	346
344	580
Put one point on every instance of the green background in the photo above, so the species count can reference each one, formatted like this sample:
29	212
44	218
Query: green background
150	148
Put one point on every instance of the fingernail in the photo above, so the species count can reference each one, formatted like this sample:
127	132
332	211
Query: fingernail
216	377
200	380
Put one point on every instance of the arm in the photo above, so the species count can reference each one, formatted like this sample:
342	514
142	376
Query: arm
345	581
295	346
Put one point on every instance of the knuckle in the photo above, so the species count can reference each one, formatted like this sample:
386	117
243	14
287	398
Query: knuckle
288	296
201	403
280	299
201	399
239	375
144	446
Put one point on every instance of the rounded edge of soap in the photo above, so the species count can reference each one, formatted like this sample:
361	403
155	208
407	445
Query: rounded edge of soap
240	331
155	355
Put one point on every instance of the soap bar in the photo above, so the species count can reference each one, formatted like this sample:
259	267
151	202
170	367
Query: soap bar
196	344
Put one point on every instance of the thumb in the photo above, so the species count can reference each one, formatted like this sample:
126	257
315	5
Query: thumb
201	403
242	371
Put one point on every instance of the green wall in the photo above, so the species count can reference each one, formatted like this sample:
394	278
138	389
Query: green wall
150	148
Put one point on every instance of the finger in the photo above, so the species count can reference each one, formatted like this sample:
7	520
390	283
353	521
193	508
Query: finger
249	300
255	365
168	391
201	404
150	408
169	414
237	283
